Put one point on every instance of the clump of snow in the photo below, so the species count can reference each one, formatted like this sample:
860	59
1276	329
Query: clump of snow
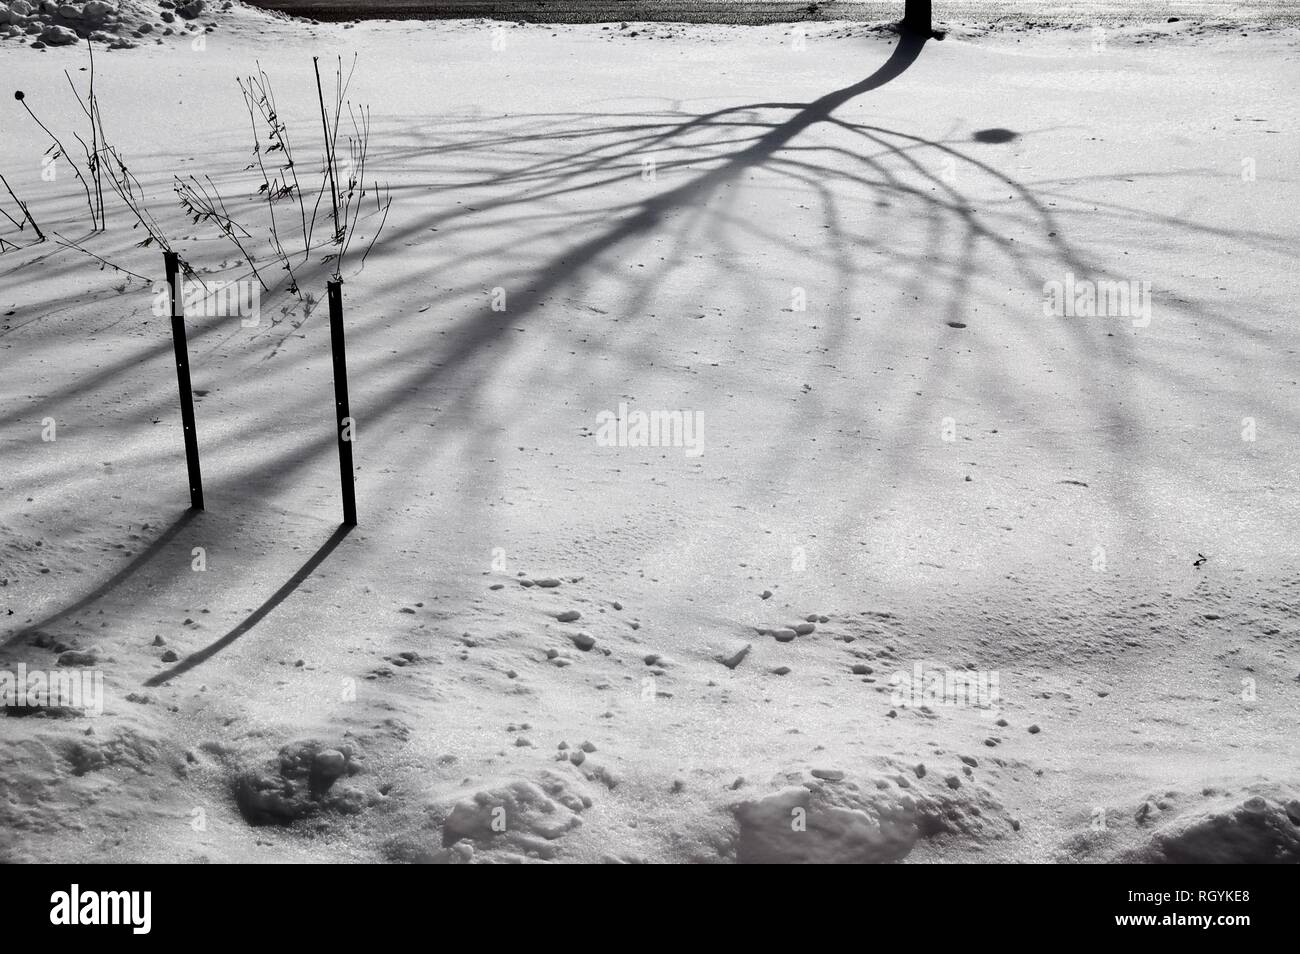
301	784
518	816
506	819
126	747
120	24
1255	830
832	819
53	776
1258	823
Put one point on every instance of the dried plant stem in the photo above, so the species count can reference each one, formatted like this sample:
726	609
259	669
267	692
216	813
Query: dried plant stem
104	263
204	203
64	152
329	147
26	212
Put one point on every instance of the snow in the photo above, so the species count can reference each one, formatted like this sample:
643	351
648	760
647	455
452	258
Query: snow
118	25
843	282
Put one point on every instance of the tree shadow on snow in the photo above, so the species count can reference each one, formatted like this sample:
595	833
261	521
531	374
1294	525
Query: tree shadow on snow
549	204
108	586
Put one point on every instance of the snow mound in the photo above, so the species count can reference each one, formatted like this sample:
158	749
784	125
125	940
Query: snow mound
302	784
876	821
1257	830
125	747
53	783
514	818
120	24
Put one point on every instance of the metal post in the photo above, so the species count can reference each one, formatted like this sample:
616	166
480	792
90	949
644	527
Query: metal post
172	261
343	419
916	17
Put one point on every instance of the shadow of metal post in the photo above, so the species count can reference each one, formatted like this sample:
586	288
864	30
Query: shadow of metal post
255	617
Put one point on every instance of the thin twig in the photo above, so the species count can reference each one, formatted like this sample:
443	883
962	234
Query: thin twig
26	212
63	152
329	147
104	263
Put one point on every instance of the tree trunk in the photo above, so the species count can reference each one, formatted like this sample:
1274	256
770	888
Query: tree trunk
916	17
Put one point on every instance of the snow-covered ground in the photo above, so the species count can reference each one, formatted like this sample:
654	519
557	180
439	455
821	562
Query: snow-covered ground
839	276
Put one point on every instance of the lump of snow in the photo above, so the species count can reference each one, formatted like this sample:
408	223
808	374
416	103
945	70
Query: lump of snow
328	765
1255	831
77	657
58	36
301	784
801	825
517	814
97	10
125	748
858	821
733	656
